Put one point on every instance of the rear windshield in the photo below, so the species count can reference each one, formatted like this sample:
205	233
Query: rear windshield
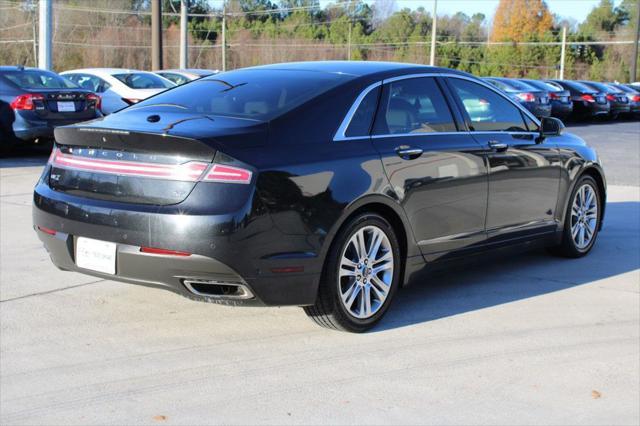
579	86
36	79
516	85
543	85
599	87
139	80
257	94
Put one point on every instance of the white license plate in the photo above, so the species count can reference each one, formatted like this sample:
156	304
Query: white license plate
96	255
66	107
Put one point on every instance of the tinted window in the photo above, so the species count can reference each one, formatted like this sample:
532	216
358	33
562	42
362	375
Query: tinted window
143	81
487	110
544	85
258	94
579	87
176	78
89	82
36	79
518	85
362	119
413	106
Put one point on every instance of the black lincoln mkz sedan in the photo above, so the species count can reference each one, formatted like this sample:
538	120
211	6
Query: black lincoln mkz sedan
325	185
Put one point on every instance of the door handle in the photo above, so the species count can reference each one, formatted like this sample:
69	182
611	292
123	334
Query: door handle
408	153
498	146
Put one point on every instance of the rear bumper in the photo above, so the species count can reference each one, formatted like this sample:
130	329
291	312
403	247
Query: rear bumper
222	248
561	110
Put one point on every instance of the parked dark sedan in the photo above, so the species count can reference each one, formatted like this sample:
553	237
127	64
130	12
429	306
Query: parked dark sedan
327	185
532	98
34	101
617	98
560	98
633	93
587	101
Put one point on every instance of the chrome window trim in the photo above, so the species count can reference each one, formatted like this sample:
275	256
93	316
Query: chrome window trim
340	134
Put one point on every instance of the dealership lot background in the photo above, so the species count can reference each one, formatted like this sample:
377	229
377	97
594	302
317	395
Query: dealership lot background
521	340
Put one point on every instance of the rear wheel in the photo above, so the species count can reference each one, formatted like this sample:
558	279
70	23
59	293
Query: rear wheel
582	220
360	277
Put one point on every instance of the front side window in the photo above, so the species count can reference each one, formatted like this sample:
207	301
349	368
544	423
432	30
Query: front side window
140	80
89	82
413	105
487	110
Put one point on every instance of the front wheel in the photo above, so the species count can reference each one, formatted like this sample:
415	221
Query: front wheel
582	220
360	277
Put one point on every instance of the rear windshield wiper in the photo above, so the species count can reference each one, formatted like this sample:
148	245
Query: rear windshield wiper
229	85
182	120
159	104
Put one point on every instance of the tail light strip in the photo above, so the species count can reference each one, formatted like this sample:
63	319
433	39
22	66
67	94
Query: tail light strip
192	171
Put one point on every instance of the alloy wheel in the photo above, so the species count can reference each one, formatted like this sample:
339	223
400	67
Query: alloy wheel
584	216
366	272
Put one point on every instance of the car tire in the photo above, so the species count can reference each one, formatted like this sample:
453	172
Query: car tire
582	219
357	286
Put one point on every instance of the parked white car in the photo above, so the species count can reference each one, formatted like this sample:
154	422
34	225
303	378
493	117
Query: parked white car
118	87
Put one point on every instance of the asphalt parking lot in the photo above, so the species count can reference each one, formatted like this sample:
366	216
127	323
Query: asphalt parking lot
529	339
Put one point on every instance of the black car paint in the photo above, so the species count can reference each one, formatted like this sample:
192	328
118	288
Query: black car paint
582	108
539	107
306	185
559	108
619	104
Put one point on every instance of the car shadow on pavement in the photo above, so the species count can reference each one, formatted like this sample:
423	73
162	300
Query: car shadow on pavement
30	156
511	278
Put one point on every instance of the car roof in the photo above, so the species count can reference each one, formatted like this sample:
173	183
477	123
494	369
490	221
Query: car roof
20	68
196	71
104	71
354	68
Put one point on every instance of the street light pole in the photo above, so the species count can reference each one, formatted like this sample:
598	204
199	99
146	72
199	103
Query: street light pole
432	61
634	60
44	47
156	35
184	22
563	51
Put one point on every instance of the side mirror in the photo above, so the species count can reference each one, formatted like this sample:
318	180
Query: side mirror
550	126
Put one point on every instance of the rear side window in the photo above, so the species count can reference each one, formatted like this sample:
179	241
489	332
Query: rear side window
256	94
487	110
36	79
363	118
143	81
176	78
413	106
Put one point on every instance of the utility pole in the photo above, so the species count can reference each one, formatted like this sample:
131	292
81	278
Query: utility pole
44	48
432	61
224	36
349	41
184	21
563	51
634	60
156	34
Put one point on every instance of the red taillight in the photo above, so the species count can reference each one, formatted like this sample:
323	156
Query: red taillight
635	98
46	230
95	98
131	101
190	171
228	174
526	97
26	102
587	98
610	97
553	96
154	250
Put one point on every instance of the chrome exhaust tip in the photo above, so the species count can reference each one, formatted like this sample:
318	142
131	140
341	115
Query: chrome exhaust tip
214	289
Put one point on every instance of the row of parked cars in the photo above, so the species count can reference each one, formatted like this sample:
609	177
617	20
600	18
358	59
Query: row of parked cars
569	99
34	101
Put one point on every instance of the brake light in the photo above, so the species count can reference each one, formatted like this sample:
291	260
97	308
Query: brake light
553	96
96	99
526	97
190	171
47	230
166	252
610	97
26	102
587	98
635	98
228	174
131	101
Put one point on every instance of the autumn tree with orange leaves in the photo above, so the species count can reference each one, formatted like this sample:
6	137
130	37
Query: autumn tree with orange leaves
520	20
